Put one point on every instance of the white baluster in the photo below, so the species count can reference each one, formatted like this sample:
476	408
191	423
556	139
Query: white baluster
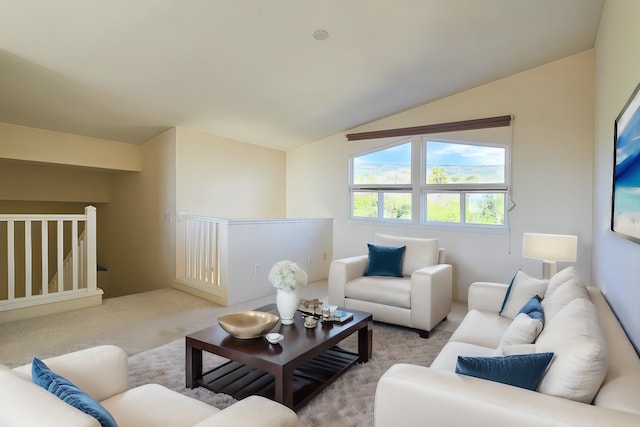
45	257
28	286
11	274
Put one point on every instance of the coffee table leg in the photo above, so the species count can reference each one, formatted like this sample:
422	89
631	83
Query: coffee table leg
193	366
284	387
365	343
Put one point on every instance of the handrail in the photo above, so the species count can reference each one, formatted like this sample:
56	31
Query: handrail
48	264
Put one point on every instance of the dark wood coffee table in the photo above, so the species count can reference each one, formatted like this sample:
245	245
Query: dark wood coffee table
291	372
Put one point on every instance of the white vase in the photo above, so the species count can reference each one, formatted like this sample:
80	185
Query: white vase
287	303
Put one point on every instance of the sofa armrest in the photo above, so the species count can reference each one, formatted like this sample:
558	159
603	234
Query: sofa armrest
431	295
486	296
101	371
342	271
252	411
25	404
407	395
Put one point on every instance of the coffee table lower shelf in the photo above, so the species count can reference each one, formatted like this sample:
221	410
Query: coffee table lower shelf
241	381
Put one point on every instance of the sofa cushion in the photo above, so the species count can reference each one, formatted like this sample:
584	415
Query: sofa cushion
157	406
520	370
393	291
25	404
100	371
69	393
523	330
581	360
620	389
448	356
481	328
520	291
559	278
420	252
518	349
565	293
385	260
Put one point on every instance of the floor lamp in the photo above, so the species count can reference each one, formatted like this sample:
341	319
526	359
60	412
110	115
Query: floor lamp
550	248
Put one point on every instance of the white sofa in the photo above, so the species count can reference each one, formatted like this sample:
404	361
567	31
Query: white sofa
102	372
411	395
420	299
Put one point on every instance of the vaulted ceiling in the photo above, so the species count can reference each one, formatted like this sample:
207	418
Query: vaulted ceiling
252	71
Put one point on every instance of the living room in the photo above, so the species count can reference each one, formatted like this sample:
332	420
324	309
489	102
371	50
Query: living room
561	160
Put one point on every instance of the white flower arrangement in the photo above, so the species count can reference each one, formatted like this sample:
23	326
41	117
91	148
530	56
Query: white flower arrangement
287	275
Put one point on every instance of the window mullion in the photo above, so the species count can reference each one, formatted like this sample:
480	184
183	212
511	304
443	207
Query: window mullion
417	174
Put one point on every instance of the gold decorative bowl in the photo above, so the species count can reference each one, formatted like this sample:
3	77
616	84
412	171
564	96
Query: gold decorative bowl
248	324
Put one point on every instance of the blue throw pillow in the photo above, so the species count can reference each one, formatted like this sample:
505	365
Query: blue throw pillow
520	370
533	309
385	260
506	296
69	393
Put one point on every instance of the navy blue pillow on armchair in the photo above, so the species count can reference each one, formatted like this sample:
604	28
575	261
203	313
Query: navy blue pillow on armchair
385	260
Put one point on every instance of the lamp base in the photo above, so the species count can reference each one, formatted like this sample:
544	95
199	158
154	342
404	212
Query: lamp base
549	269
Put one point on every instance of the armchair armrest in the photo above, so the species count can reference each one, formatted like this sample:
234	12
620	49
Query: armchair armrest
342	271
101	371
486	296
252	411
408	395
431	295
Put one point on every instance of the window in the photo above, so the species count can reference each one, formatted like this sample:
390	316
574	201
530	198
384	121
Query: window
381	184
455	182
465	183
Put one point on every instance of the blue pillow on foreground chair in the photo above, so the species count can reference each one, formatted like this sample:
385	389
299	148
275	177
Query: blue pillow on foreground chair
69	393
520	370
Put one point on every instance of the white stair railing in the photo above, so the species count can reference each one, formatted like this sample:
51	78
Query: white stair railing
69	266
73	274
198	253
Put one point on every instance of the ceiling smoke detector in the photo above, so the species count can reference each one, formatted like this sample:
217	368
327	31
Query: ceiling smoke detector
320	35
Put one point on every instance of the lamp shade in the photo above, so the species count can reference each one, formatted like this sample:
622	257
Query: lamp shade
550	247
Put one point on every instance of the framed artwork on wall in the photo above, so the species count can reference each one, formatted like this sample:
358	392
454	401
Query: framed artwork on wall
625	205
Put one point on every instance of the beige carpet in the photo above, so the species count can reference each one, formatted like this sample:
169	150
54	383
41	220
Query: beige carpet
134	322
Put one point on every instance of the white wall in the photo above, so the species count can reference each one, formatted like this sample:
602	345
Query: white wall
226	179
552	157
39	145
616	269
21	180
139	242
255	246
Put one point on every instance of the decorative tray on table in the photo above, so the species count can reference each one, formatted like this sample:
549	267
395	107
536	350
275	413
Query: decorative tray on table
314	308
311	307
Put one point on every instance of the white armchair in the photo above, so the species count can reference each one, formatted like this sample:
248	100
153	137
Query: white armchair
420	299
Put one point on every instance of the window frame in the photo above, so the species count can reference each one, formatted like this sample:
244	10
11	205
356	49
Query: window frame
419	187
464	189
381	189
